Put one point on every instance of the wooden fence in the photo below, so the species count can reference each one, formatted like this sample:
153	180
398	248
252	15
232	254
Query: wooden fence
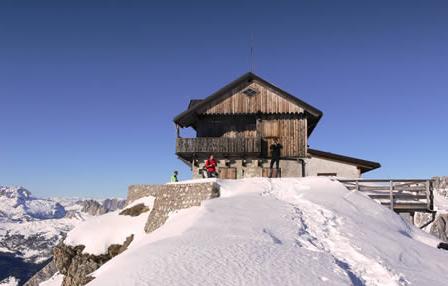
409	195
219	145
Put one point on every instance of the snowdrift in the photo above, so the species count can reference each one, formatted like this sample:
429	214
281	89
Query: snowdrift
304	231
98	233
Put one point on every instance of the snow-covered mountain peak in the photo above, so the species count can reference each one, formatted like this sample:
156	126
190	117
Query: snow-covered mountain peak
18	204
18	192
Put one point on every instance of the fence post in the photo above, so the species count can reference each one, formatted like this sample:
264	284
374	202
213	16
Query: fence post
357	185
391	195
429	196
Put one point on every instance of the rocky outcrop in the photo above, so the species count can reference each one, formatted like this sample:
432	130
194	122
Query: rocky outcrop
422	219
439	227
44	274
93	207
76	266
113	204
135	210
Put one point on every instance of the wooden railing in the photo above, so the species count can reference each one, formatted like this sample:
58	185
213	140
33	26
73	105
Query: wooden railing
218	145
410	195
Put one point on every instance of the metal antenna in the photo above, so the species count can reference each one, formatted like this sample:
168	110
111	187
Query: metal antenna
252	66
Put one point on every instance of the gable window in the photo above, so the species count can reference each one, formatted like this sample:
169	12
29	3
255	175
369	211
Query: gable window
250	91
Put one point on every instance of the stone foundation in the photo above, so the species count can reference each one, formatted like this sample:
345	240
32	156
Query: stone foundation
250	168
171	197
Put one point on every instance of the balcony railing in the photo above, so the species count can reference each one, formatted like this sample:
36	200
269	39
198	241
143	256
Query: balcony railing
218	145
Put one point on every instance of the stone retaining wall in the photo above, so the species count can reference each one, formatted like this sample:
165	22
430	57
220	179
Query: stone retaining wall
171	197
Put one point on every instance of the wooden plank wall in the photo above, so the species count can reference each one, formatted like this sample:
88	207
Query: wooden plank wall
265	101
227	172
232	127
221	145
291	134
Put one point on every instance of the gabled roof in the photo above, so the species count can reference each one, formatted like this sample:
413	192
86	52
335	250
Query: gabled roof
187	117
363	165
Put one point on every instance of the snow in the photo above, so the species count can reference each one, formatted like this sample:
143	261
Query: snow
440	202
16	203
98	233
55	280
10	281
30	226
301	231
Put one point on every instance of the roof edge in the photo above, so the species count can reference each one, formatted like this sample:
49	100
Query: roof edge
364	165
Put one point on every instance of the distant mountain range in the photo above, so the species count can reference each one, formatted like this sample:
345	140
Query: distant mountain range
30	227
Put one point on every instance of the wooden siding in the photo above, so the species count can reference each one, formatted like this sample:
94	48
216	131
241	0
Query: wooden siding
225	126
218	146
289	129
271	173
265	101
291	133
227	173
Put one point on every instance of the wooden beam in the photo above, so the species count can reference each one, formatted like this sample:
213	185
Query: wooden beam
382	180
391	195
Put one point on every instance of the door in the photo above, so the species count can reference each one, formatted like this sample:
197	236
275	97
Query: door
227	173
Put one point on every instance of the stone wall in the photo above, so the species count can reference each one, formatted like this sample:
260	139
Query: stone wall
171	197
136	192
290	167
250	168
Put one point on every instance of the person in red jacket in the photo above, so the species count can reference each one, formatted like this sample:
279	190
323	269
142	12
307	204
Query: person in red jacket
210	166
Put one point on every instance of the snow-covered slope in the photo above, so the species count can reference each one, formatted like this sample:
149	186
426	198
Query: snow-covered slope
97	234
308	231
10	281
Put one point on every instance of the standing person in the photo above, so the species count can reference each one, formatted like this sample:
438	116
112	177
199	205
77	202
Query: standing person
174	177
275	152
210	166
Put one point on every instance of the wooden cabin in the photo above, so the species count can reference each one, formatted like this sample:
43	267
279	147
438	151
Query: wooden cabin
239	122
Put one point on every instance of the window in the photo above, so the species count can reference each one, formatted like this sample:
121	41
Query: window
250	91
327	174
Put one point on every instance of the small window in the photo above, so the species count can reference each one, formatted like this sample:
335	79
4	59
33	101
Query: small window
250	91
327	174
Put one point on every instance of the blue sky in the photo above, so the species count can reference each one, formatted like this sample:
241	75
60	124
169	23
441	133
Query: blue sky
88	89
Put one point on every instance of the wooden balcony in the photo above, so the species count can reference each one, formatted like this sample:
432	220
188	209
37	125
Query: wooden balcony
219	146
